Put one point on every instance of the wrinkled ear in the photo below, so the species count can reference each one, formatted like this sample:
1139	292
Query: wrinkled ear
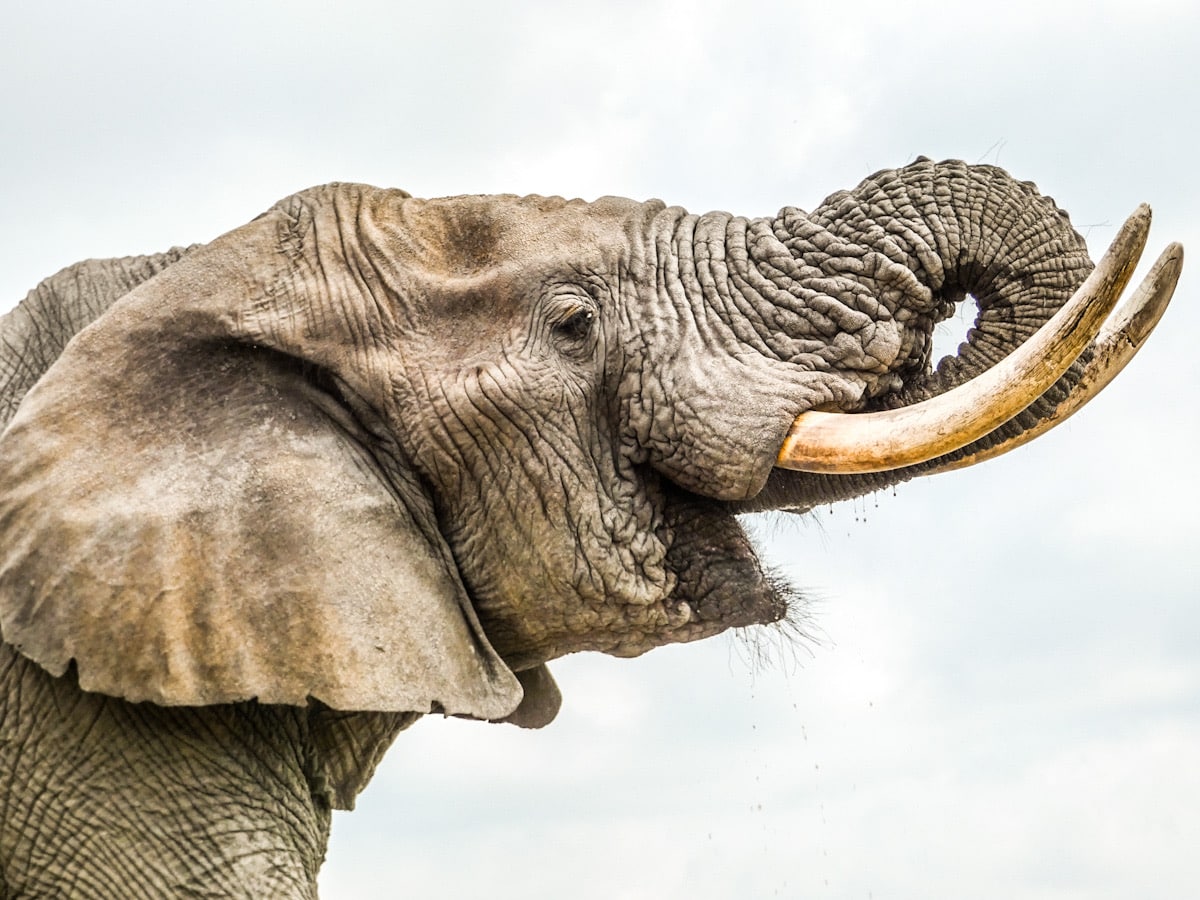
540	702
198	521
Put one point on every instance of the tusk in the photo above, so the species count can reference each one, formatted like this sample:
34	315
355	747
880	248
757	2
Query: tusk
846	444
1118	341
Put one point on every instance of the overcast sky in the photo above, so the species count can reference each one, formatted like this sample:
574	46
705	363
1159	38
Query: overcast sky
1004	700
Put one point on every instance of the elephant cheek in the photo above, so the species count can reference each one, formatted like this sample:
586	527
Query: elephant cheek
570	574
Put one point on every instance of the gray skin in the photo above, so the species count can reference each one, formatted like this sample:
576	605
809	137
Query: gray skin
369	457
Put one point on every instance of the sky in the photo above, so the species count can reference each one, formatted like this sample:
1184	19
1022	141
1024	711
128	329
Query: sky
1001	696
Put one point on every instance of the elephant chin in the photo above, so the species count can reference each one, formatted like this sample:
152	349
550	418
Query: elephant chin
720	581
719	574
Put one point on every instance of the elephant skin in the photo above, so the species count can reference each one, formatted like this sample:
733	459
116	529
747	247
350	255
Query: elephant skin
266	501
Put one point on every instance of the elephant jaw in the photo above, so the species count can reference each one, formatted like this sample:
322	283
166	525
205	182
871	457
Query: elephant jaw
718	582
712	581
857	443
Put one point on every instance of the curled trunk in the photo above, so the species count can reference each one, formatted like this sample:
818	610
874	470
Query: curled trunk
954	230
894	438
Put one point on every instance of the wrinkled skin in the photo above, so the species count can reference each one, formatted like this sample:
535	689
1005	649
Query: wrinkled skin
370	456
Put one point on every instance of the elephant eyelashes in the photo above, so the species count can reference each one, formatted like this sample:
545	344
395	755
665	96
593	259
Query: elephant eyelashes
576	326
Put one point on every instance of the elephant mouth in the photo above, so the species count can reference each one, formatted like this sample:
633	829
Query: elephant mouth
714	580
721	581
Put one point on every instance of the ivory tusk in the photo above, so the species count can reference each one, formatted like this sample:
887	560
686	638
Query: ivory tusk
856	443
1118	341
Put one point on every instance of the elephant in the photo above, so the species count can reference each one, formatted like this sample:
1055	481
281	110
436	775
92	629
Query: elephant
266	501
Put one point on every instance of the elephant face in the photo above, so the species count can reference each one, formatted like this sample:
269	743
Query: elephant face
395	454
522	396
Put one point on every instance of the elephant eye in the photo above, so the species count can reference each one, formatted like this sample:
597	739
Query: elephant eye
576	325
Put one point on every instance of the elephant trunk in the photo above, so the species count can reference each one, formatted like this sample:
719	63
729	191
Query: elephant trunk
835	311
954	230
964	230
908	435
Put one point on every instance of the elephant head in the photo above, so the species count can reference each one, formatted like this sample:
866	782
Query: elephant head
396	454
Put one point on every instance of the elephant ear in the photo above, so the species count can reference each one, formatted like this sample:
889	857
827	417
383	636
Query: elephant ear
195	520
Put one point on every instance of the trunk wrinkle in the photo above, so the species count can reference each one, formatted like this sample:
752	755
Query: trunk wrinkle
952	229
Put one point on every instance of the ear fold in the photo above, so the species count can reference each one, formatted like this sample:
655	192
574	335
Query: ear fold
540	702
194	520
